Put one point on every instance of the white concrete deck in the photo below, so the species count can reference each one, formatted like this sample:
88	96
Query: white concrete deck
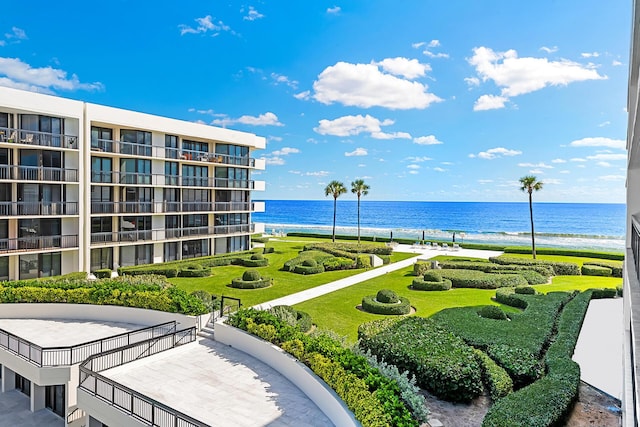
63	333
14	412
219	385
599	347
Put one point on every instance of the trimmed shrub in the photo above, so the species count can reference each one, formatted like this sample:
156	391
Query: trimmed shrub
284	313
318	256
420	268
104	273
596	270
418	284
619	289
251	279
492	312
371	305
338	263
194	270
584	253
616	267
509	297
256	257
479	280
496	379
387	296
305	269
431	276
268	250
160	270
525	290
488	267
335	248
604	293
363	261
533	277
310	262
250	275
303	320
559	268
386	259
442	363
259	262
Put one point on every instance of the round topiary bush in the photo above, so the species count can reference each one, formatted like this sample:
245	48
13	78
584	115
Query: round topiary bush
387	296
525	290
251	275
310	262
257	257
431	276
492	312
370	304
194	270
418	284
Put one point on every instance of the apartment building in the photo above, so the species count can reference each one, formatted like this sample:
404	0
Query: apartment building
85	187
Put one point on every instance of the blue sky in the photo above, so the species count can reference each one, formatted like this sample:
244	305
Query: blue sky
424	100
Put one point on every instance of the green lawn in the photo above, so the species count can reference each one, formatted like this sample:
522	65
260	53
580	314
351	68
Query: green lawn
285	283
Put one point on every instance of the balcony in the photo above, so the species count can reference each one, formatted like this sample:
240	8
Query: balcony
187	207
36	173
41	139
38	208
234	229
122	236
36	243
121	147
201	156
232	206
122	207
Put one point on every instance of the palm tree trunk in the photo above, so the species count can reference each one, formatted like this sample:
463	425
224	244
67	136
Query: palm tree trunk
335	203
533	236
358	219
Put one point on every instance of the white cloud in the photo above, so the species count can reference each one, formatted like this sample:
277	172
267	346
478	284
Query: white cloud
407	68
276	158
489	102
16	34
266	119
494	153
600	142
472	81
285	151
355	125
414	172
334	10
535	165
558	161
608	157
303	95
418	159
280	78
205	25
590	54
17	74
604	164
612	178
616	63
413	166
357	152
365	86
565	172
551	49
427	140
603	124
536	171
428	51
517	76
274	138
252	14
437	169
552	181
274	161
485	181
577	159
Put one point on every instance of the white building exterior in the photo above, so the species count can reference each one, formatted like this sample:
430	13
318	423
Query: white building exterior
85	187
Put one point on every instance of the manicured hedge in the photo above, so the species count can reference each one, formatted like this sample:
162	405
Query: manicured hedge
595	270
525	290
308	269
604	293
194	270
616	267
559	268
371	305
496	379
338	263
318	256
492	312
420	268
584	253
352	248
442	363
490	267
479	280
104	273
251	279
159	269
419	284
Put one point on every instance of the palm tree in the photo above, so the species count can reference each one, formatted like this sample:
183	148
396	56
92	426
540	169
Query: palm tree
359	188
334	188
530	184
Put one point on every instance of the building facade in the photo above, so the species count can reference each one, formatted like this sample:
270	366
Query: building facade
85	187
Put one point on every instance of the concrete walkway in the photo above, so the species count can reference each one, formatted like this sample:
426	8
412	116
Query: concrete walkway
599	347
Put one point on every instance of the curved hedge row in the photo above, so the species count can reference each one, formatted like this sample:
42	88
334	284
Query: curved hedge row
559	268
477	279
194	270
318	256
496	379
616	267
595	270
491	267
352	248
583	253
419	284
238	283
371	305
308	269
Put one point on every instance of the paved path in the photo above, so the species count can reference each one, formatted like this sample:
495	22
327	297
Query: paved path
14	412
421	254
599	347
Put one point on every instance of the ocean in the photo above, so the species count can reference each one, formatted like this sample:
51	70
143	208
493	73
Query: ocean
568	225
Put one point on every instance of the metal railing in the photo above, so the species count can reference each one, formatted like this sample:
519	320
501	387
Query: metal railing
187	206
42	139
122	207
129	401
38	208
70	355
38	173
35	243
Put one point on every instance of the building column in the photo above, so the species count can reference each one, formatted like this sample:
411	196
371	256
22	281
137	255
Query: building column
37	397
8	379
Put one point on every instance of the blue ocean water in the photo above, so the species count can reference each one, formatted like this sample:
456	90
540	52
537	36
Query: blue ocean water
571	225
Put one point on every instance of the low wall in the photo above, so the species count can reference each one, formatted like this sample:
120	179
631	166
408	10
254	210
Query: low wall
295	371
109	313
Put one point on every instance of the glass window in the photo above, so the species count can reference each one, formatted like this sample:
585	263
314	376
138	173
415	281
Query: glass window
195	220
101	139
172	221
136	255
101	224
4	121
201	147
195	248
171	251
101	258
55	399
135	136
4	270
101	168
195	195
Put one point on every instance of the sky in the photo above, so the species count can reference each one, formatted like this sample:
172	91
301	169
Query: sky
426	100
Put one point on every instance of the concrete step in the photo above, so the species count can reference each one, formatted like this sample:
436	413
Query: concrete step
206	332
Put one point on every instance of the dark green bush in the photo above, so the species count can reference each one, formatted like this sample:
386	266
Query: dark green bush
262	262
160	270
595	270
442	363
104	273
256	257
419	284
209	300
492	312
269	249
338	263
522	365
533	277
337	248
489	267
238	283
318	256
250	275
310	262
420	268
363	261
386	259
496	379
432	276
477	279
371	305
559	268
619	289
303	269
525	290
509	297
194	270
584	253
604	293
387	296
616	267
303	320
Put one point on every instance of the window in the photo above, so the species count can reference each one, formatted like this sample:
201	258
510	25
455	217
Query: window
195	175
136	255
171	147
101	139
50	129
101	168
101	258
135	171
235	154
135	223
54	396
232	219
195	220
135	142
195	248
231	244
171	251
40	265
4	268
195	195
5	122
102	224
201	147
31	160
23	384
171	172
171	221
101	199
137	199
232	177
